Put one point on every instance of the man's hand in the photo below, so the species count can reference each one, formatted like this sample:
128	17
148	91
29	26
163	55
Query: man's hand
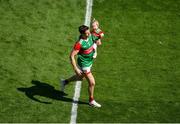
78	72
98	42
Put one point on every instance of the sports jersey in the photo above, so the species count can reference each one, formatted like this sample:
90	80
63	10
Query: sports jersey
98	33
86	50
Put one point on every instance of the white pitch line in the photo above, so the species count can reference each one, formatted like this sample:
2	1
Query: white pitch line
87	22
89	4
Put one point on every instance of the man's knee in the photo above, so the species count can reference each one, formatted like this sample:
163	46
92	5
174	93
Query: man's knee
92	83
90	79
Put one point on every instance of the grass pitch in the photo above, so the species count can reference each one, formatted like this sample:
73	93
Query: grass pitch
136	70
36	37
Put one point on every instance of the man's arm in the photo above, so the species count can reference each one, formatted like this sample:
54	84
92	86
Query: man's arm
74	52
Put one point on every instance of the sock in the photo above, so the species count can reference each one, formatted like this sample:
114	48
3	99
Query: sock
91	98
66	81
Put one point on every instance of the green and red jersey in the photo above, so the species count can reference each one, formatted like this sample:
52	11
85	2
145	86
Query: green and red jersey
98	33
86	50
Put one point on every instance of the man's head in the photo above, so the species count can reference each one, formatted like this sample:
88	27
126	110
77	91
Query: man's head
84	30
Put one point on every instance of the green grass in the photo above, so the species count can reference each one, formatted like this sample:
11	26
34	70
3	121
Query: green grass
138	66
136	70
36	37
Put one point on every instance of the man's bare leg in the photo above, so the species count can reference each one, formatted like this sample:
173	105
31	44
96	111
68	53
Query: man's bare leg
91	81
71	79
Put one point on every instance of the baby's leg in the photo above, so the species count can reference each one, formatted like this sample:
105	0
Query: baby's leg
97	43
95	50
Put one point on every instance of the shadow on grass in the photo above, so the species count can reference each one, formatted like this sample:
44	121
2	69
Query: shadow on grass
45	90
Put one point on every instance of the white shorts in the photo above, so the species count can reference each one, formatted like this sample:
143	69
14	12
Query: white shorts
86	70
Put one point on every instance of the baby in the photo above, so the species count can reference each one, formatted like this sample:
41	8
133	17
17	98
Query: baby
98	33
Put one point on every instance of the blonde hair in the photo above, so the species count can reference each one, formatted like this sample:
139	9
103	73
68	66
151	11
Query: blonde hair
95	21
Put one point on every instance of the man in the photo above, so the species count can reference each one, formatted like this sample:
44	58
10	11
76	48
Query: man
84	49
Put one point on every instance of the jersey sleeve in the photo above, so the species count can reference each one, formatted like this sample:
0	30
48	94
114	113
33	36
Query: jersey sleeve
98	34
101	34
95	38
77	46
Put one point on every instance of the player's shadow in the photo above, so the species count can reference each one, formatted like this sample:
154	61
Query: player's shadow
45	90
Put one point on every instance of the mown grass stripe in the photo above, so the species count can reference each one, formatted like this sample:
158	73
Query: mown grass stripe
78	83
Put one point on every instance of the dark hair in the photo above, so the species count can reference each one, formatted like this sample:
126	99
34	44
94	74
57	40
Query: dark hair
82	29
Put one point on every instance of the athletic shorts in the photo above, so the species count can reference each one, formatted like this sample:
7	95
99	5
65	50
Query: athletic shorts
85	70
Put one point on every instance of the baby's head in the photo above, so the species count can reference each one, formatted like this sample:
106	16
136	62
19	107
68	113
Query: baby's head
95	24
